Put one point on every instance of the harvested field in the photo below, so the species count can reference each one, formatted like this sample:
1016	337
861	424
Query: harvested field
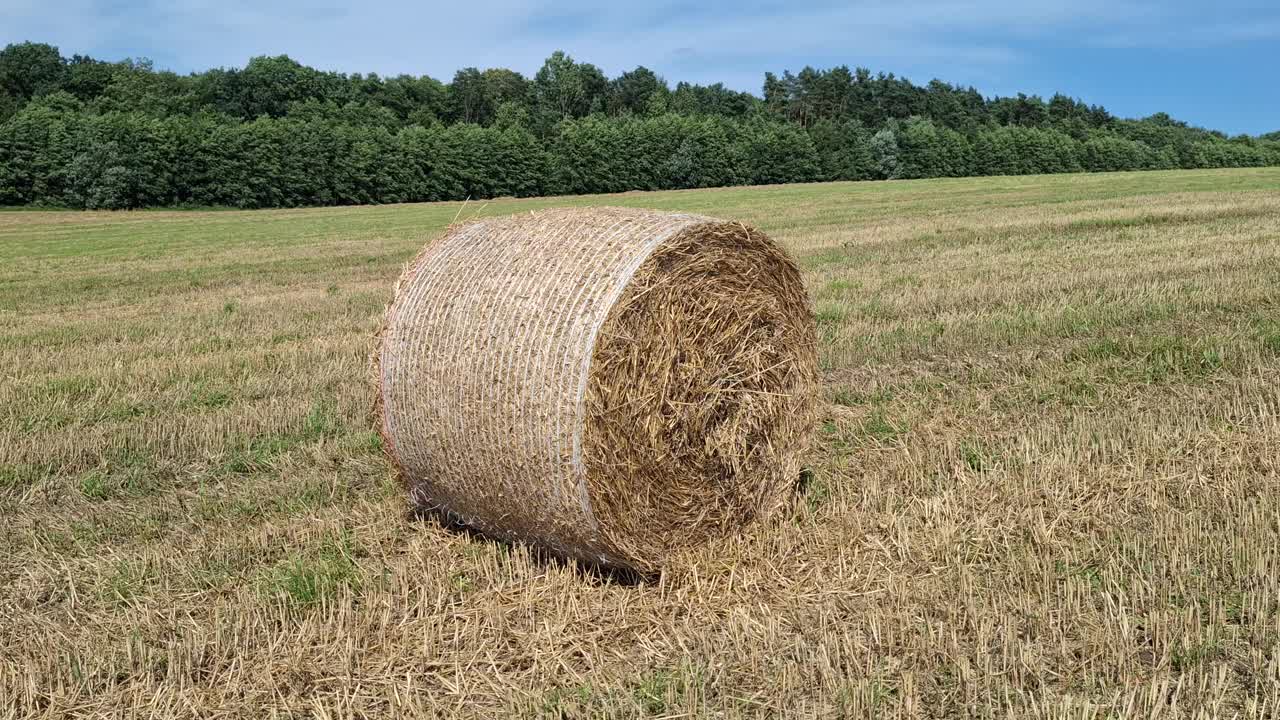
1047	481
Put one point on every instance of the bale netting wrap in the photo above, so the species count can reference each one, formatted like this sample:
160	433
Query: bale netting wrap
614	385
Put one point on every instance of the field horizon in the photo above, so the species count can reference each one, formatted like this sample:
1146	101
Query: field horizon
1046	482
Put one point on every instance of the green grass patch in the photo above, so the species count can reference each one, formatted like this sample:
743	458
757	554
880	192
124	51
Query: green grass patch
1071	391
1097	350
836	256
817	493
1018	325
71	387
322	421
877	309
127	477
842	285
875	429
211	344
462	583
829	318
209	398
563	703
1269	334
905	281
665	691
45	419
1155	359
121	410
976	457
1191	655
363	441
880	428
849	397
318	574
127	581
94	485
260	454
1176	356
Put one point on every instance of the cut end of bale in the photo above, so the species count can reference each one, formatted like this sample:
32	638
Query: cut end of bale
701	392
614	385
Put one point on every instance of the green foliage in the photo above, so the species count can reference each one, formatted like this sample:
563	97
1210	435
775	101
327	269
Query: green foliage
475	96
565	88
84	133
29	69
1014	150
1108	153
706	155
884	153
844	150
925	150
634	91
778	153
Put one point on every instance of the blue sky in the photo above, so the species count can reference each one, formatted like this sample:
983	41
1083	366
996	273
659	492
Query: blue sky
1215	65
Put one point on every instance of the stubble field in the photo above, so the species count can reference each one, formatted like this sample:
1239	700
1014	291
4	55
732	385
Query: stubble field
1047	481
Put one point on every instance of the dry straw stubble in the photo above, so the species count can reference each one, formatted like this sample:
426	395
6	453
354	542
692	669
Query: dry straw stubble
611	384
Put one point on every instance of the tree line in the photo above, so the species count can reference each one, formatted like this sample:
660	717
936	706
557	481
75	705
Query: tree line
81	132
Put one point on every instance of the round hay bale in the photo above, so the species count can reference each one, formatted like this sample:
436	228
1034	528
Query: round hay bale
614	385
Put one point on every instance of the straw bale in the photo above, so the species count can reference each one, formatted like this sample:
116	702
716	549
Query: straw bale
614	385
